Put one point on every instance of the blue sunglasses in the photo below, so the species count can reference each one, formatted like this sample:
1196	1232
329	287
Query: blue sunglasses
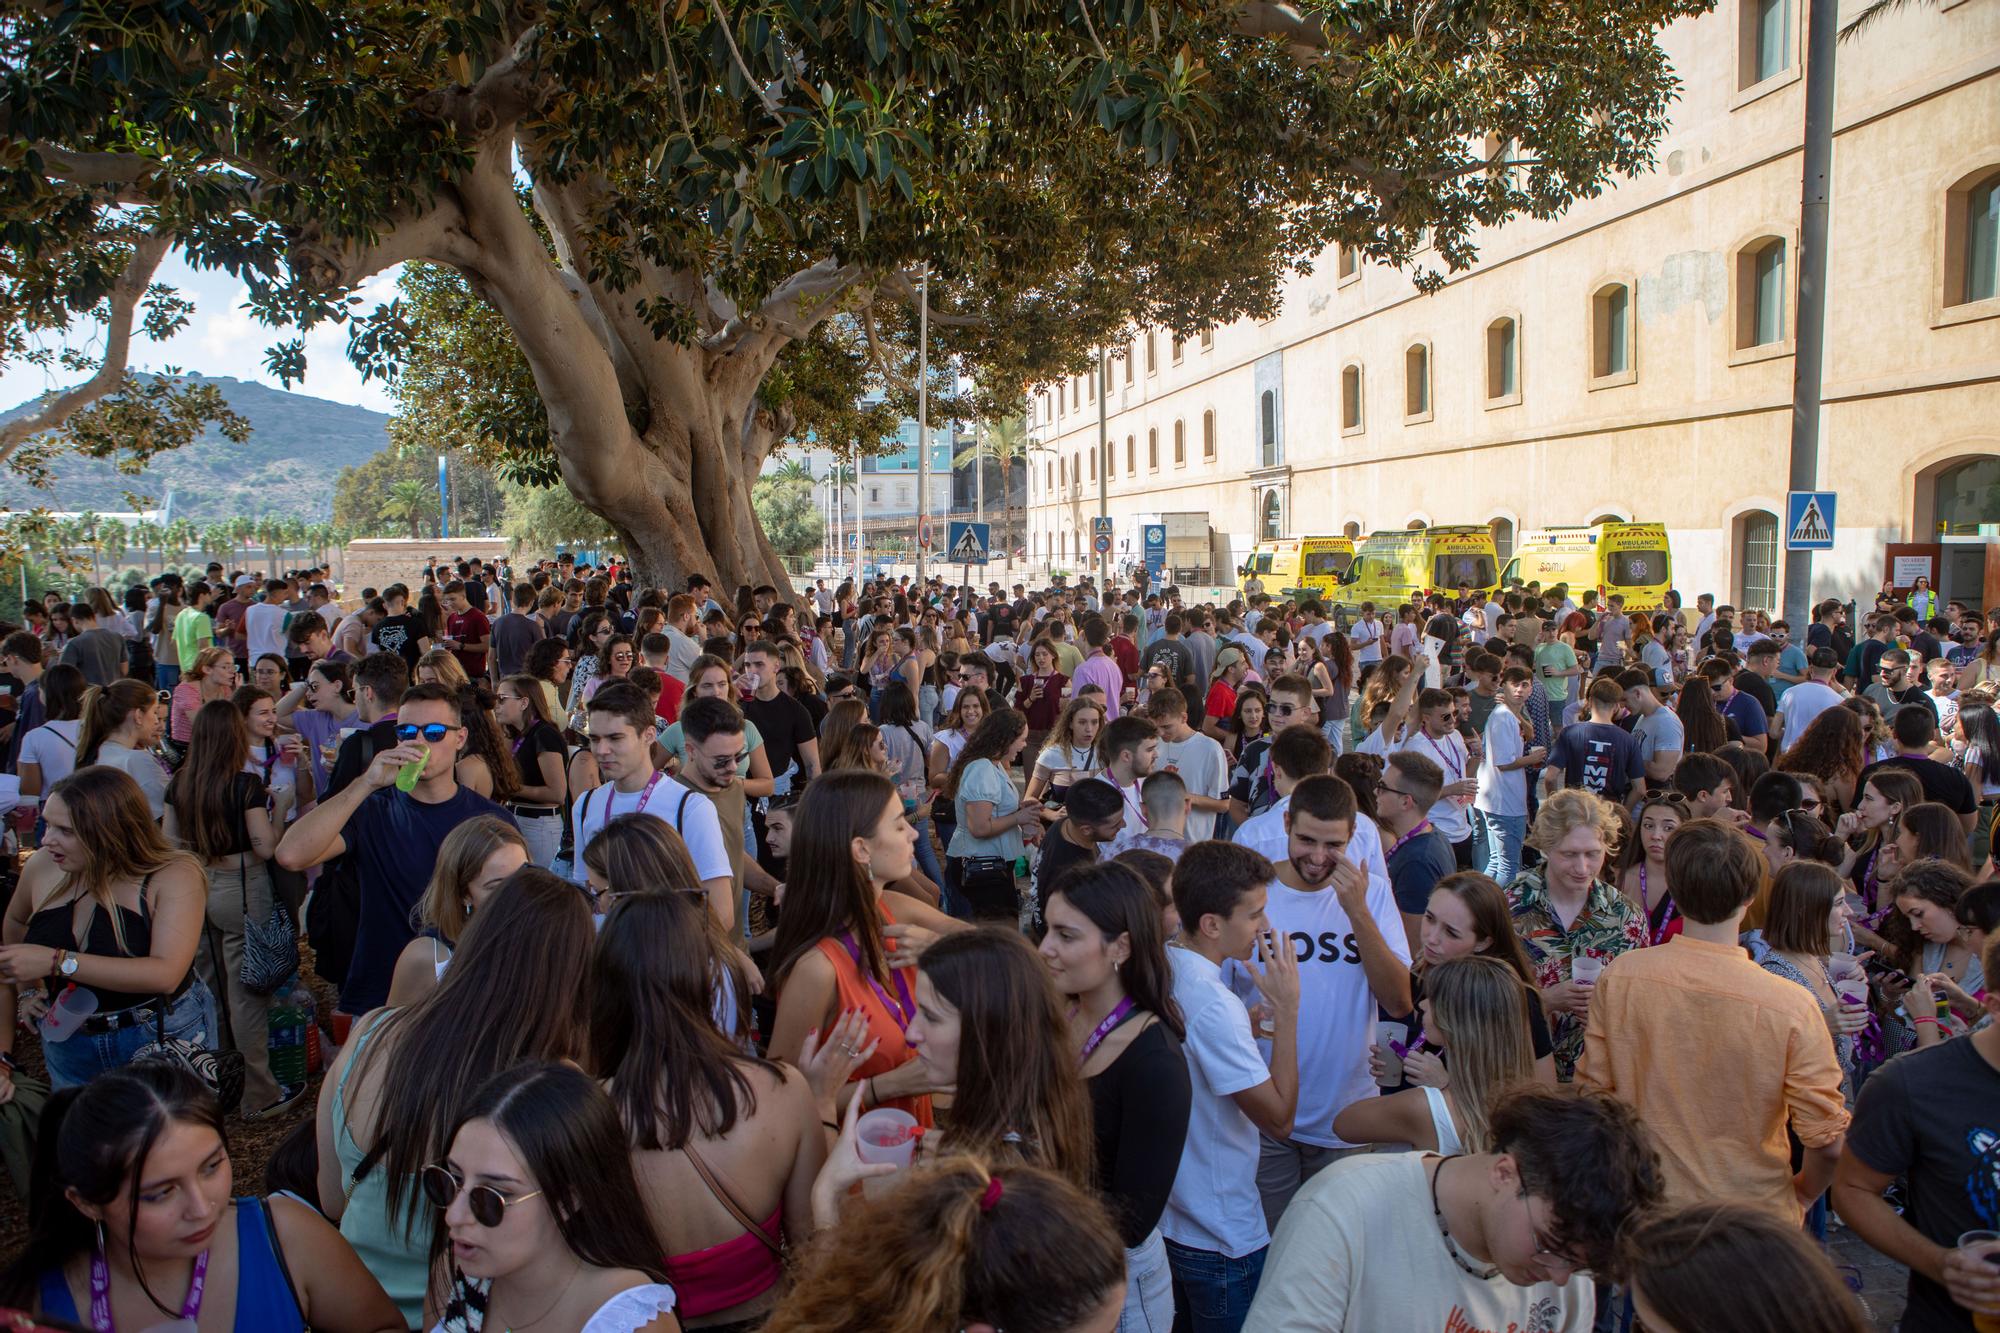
430	731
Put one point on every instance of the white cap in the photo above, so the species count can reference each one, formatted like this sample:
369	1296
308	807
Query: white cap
246	581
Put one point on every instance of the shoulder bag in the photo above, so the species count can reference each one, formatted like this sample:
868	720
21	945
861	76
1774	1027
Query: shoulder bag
270	945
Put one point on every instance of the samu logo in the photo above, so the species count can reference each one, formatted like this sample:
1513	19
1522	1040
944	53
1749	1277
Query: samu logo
1328	948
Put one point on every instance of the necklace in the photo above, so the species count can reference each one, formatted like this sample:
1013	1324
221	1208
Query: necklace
550	1307
1487	1274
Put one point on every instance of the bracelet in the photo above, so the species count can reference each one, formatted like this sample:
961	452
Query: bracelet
1932	1021
830	1125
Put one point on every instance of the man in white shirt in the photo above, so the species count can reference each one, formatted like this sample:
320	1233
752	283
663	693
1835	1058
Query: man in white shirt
1436	738
1213	1224
1366	637
1201	763
264	622
621	740
1808	699
1353	955
1502	1239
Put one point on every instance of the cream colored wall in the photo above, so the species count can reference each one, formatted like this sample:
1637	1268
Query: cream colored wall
1701	433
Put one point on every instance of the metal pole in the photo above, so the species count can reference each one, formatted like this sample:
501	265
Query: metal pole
923	418
1822	39
860	541
979	469
1103	458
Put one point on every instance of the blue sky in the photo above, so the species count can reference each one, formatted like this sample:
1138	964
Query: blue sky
221	338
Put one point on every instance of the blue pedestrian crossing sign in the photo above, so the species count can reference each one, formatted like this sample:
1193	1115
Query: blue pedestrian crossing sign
853	541
968	543
1809	521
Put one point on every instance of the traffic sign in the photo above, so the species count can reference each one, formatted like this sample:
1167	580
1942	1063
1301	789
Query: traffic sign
1100	534
1809	520
853	541
1155	544
924	532
968	543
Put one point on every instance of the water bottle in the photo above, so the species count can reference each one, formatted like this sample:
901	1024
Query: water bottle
66	1015
288	1041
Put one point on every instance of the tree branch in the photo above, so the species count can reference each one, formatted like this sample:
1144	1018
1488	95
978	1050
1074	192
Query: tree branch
126	294
784	313
336	265
898	284
875	351
119	173
722	19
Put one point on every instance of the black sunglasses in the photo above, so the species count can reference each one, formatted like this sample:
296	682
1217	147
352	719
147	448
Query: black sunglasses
487	1205
430	731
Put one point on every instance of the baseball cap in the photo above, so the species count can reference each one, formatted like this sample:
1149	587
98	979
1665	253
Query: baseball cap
245	581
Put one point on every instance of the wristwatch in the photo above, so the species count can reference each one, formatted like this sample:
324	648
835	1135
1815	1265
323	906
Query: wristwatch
66	962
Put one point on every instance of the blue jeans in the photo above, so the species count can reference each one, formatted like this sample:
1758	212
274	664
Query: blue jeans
165	677
927	860
1504	836
1212	1292
82	1056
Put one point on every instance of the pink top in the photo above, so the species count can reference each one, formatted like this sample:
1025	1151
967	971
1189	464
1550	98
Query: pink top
724	1276
1101	670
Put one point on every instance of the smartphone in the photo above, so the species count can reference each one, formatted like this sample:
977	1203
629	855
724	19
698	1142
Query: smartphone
1875	967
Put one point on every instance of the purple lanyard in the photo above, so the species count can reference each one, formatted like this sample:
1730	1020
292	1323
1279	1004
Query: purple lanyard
901	1012
1444	754
1137	808
644	796
1423	826
1646	905
1103	1030
100	1291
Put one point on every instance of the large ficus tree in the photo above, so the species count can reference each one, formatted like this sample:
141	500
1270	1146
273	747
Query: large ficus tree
697	228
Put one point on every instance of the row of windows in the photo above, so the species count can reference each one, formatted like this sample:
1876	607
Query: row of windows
1063	473
1083	388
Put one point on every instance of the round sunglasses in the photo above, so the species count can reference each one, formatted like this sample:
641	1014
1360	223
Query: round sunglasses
488	1206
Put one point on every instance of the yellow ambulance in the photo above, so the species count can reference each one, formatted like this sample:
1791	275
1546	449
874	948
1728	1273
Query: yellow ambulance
1631	559
1394	567
1299	567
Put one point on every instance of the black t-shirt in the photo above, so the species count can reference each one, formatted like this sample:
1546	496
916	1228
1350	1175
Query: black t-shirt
1416	867
1942	782
817	707
1139	1112
1933	1117
998	620
785	725
1819	635
357	752
1599	757
1058	855
475	594
399	634
540	739
1177	659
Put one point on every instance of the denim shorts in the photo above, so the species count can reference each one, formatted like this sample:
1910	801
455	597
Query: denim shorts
82	1056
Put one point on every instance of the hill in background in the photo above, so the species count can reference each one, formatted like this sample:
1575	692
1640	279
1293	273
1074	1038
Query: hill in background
297	444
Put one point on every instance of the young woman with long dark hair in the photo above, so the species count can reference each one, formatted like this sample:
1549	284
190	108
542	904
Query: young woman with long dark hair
390	1100
990	818
716	1135
990	1026
536	744
1642	863
839	928
132	1221
1108	957
1071	752
232	822
542	1225
1713	1266
108	905
121	725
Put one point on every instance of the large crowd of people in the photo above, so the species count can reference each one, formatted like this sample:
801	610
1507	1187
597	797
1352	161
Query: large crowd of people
909	957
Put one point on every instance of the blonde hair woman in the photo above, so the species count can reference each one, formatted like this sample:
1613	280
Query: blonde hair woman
1474	1010
1071	752
1565	909
440	667
474	859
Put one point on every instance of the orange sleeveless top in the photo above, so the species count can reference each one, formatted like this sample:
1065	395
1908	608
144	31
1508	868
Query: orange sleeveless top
858	991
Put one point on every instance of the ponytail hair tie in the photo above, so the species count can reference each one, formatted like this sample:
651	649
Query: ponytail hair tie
991	1195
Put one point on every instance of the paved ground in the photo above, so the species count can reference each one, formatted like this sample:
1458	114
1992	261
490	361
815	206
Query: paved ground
1881	1280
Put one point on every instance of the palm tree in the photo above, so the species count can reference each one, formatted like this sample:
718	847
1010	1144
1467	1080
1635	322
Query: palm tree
411	501
88	527
792	469
1006	442
112	539
146	535
181	535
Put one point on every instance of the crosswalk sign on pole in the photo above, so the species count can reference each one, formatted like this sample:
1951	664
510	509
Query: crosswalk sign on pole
968	543
1809	523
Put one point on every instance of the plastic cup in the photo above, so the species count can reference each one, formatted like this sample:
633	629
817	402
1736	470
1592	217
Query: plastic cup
1986	1245
1389	1036
411	773
887	1135
1586	967
66	1015
1851	990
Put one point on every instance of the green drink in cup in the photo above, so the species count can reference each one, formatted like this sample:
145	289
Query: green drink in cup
411	773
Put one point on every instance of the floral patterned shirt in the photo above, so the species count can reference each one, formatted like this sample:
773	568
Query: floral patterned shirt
1607	926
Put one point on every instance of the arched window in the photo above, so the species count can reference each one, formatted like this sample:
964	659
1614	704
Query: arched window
1180	443
1153	449
1272	526
1267	428
1093	465
1762	294
1352	530
1503	538
1757	560
1503	351
1417	381
1208	435
1350	398
1972	239
1611	331
1131	458
1131	359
